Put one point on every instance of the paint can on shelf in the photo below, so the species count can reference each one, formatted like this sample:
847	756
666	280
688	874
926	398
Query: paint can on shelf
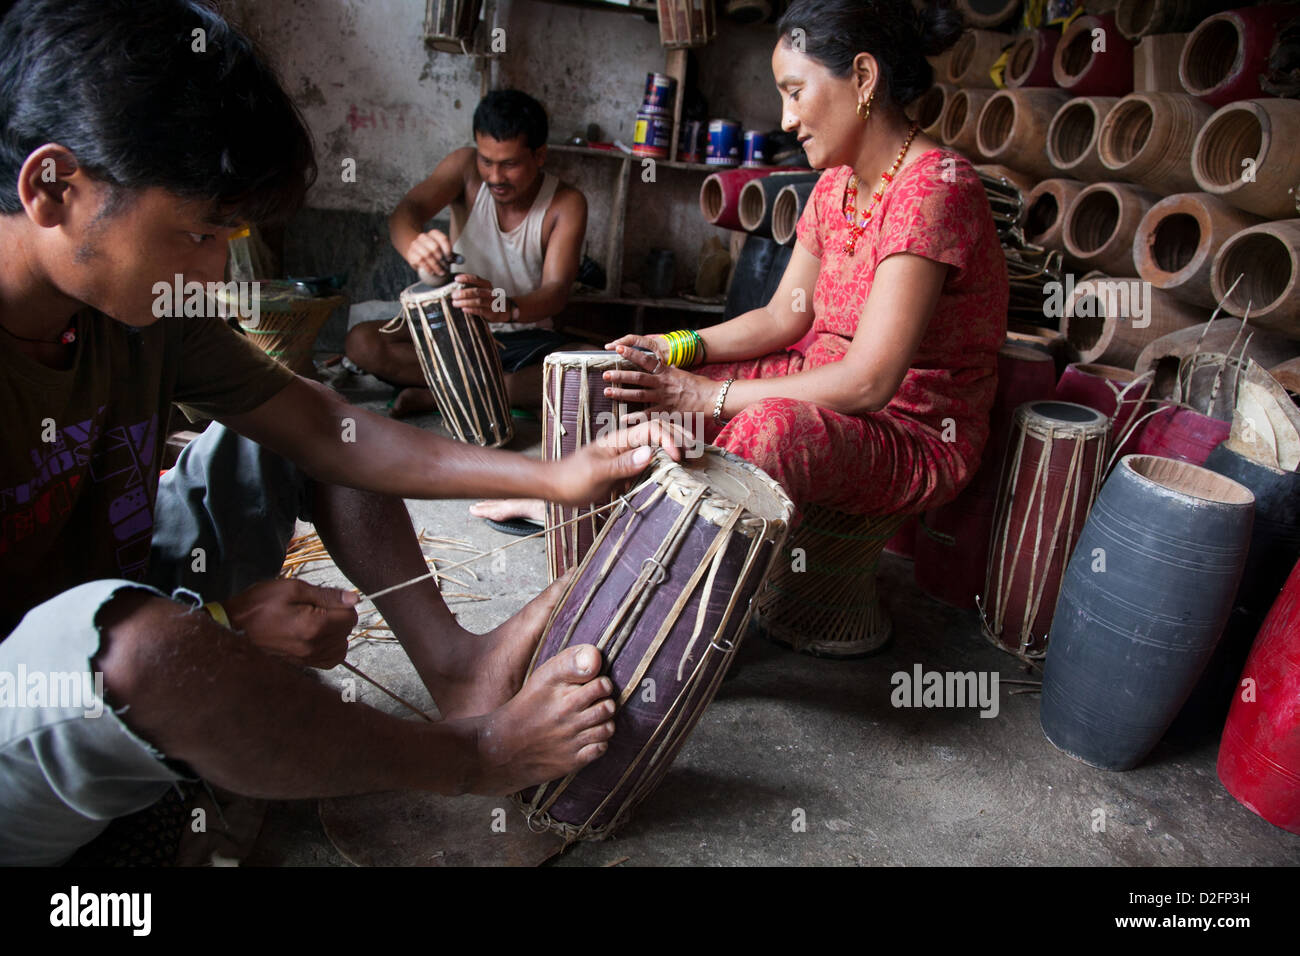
660	92
724	143
653	135
755	148
694	141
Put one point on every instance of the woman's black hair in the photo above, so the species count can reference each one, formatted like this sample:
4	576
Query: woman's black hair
507	114
895	32
151	93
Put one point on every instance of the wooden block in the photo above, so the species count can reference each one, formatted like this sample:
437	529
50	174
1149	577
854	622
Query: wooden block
1155	63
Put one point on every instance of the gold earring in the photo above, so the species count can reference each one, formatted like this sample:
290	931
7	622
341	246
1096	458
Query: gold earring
864	109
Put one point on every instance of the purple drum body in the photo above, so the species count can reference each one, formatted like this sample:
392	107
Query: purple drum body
665	595
724	143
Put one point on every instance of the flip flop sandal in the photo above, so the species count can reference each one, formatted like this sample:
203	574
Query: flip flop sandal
519	527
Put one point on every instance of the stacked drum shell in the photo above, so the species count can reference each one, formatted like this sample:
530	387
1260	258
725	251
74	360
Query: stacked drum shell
1111	319
1147	138
1224	56
1012	129
1267	258
1100	224
1246	154
1087	68
960	121
1029	61
1045	211
1073	137
1177	240
972	57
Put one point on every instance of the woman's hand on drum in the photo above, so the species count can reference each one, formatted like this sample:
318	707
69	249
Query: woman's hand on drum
604	466
663	387
430	254
476	296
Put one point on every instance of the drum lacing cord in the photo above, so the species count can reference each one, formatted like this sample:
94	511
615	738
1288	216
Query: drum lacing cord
1035	587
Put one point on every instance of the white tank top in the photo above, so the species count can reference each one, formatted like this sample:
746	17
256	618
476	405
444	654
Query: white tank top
509	260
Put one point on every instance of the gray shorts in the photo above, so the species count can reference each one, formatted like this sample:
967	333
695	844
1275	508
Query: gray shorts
68	763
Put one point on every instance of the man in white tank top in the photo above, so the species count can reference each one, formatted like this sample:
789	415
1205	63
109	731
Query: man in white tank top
515	244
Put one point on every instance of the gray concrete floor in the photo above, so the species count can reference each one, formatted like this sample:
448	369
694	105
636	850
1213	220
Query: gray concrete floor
876	785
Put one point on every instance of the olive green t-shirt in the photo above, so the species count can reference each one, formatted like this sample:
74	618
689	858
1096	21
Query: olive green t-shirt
81	448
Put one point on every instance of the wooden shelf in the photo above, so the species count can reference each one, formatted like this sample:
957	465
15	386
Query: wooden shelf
642	7
619	154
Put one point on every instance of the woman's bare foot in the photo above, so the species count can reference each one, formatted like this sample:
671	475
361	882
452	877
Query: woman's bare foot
490	668
560	721
503	509
412	401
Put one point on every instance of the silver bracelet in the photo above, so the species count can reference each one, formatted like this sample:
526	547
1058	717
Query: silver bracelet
722	398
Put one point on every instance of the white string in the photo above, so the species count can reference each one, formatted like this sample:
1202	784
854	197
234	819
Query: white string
432	573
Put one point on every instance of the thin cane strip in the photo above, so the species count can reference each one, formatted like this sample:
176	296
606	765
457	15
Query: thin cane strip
453	567
610	560
1004	504
489	388
723	538
469	410
716	547
629	614
427	354
621	505
1072	499
401	700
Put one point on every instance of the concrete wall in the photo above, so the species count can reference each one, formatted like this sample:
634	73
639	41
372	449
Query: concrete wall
372	92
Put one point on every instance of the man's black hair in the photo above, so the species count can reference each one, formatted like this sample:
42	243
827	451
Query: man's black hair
507	114
151	93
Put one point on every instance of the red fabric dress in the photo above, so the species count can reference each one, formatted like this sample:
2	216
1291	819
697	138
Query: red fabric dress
924	446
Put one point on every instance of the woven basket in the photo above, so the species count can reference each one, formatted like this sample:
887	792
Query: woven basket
831	607
288	323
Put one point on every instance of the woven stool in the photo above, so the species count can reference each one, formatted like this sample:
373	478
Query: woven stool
830	608
288	323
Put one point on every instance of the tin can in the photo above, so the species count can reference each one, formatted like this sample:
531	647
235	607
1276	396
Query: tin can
693	143
724	143
660	92
653	135
755	148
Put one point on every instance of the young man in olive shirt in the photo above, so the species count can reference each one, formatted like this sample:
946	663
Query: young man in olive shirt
128	156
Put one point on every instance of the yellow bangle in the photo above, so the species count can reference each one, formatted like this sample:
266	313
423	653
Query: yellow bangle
218	614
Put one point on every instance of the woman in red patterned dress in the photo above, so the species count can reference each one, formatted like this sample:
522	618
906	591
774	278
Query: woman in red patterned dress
886	411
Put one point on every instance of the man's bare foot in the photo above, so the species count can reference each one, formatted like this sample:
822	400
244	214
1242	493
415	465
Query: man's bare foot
490	669
412	401
560	721
503	509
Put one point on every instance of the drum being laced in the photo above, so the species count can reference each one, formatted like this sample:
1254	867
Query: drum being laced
665	595
461	362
